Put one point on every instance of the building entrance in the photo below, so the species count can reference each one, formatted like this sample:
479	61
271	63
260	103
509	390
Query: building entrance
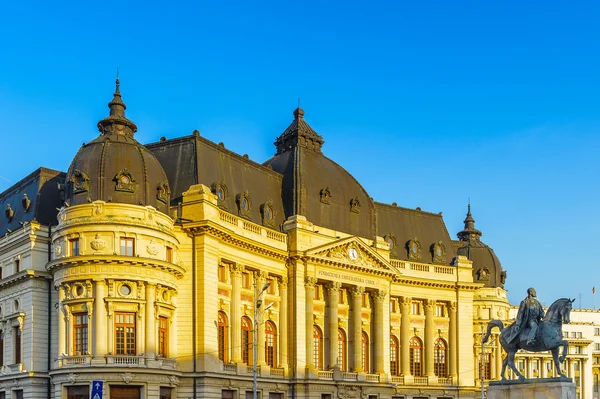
124	392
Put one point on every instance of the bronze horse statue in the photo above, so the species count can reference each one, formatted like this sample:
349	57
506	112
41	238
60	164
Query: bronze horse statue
548	337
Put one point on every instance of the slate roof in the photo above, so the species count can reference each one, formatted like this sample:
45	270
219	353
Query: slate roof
42	190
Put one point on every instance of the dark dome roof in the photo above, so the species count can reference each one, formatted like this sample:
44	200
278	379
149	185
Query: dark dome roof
316	187
487	268
116	168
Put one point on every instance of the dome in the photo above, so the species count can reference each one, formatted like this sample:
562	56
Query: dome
486	265
115	167
315	186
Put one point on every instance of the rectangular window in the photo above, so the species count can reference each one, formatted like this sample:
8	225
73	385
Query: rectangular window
165	393
127	246
439	310
415	308
169	254
74	247
222	273
596	330
317	292
163	338
579	334
342	294
78	392
17	265
125	334
392	306
80	334
576	366
365	300
595	383
18	394
17	344
245	280
597	346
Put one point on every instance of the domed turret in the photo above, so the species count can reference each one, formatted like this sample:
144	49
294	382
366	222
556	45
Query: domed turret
115	167
486	265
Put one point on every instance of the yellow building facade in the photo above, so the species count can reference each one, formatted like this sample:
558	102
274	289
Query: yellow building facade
161	271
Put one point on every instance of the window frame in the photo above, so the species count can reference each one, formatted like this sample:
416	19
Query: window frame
128	329
125	248
246	340
80	342
223	336
416	356
271	343
163	336
74	248
317	347
342	349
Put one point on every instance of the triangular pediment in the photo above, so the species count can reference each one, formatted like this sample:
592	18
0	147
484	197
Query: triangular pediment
352	252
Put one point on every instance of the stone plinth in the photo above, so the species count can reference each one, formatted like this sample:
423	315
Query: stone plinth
546	388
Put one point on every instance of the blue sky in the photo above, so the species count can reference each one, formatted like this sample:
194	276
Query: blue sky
425	103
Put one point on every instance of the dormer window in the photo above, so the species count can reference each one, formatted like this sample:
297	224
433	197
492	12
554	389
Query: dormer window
244	203
124	181
163	192
325	195
438	251
413	248
267	212
219	188
355	205
80	181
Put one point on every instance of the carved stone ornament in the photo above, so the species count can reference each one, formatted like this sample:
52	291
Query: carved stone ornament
173	380
72	377
152	248
413	248
244	203
127	377
325	195
98	244
349	392
355	205
57	250
124	181
351	253
80	181
267	213
163	192
25	202
503	277
9	212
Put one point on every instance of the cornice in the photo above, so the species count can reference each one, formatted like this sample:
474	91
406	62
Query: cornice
22	276
350	266
73	261
422	282
216	230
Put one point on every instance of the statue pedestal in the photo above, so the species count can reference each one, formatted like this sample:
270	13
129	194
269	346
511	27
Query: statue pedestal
546	388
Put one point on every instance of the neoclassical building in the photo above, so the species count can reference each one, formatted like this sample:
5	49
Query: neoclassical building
172	269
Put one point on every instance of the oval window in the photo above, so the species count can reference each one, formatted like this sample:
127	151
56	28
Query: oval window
125	290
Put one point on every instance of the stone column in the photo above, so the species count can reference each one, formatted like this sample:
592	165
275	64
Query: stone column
452	337
379	302
235	271
283	323
309	286
333	300
405	303
261	278
498	357
356	294
62	326
429	327
100	319
151	330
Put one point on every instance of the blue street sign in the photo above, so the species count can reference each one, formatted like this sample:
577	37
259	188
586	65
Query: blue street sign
96	389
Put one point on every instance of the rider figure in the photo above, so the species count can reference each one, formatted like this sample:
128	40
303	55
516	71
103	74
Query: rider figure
530	313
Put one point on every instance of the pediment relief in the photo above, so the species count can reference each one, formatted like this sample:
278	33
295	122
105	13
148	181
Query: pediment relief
353	252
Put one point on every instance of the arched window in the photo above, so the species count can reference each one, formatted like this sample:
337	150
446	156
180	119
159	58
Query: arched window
222	337
365	352
394	356
246	340
317	348
416	357
271	343
439	358
341	349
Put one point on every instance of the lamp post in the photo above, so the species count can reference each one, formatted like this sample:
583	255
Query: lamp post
257	304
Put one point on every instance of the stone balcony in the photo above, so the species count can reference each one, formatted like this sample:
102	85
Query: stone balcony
116	361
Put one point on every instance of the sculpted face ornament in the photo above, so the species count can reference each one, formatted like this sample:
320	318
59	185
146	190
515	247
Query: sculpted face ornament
352	253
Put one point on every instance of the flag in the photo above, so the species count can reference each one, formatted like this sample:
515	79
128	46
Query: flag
593	290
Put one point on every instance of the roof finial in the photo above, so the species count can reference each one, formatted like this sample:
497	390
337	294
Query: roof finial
298	112
117	114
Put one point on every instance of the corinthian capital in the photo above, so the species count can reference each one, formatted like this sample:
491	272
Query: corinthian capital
334	287
310	281
236	269
379	295
357	291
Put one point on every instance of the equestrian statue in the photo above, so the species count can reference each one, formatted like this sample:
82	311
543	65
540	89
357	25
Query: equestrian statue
534	331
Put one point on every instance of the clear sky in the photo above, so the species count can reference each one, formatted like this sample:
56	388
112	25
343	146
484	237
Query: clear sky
425	103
